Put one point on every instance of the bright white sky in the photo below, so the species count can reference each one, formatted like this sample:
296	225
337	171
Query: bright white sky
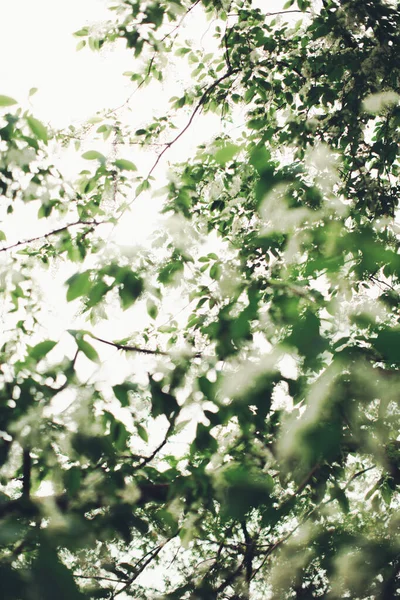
39	51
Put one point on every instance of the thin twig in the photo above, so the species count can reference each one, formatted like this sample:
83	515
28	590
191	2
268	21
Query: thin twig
358	474
373	278
148	459
128	348
152	555
285	12
145	78
26	473
50	234
200	103
227	57
97	578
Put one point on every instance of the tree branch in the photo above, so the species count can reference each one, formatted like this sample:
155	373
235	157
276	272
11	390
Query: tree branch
227	57
248	555
142	565
358	474
128	348
148	459
50	234
200	103
26	473
285	12
97	578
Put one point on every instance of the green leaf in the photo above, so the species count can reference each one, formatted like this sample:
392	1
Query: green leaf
40	350
125	165
72	480
142	432
244	491
130	289
82	32
225	154
122	390
94	155
169	271
38	129
142	187
87	350
52	579
152	309
162	403
78	285
2	236
7	101
388	344
260	158
32	91
342	499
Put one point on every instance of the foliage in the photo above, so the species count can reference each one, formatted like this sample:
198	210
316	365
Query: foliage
281	236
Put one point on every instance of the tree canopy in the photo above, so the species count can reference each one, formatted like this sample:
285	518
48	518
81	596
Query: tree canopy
249	447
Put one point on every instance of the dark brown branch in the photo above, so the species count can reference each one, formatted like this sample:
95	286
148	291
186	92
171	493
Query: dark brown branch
306	480
273	14
231	578
128	348
358	474
142	565
97	578
227	57
181	21
373	278
249	554
200	103
285	12
50	234
148	459
26	473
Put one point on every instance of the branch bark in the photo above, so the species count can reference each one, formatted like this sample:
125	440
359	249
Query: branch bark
50	234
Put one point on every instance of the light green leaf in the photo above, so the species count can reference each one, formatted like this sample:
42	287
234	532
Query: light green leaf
2	236
82	32
38	129
40	350
7	101
87	349
78	285
143	187
225	154
32	91
125	165
94	155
